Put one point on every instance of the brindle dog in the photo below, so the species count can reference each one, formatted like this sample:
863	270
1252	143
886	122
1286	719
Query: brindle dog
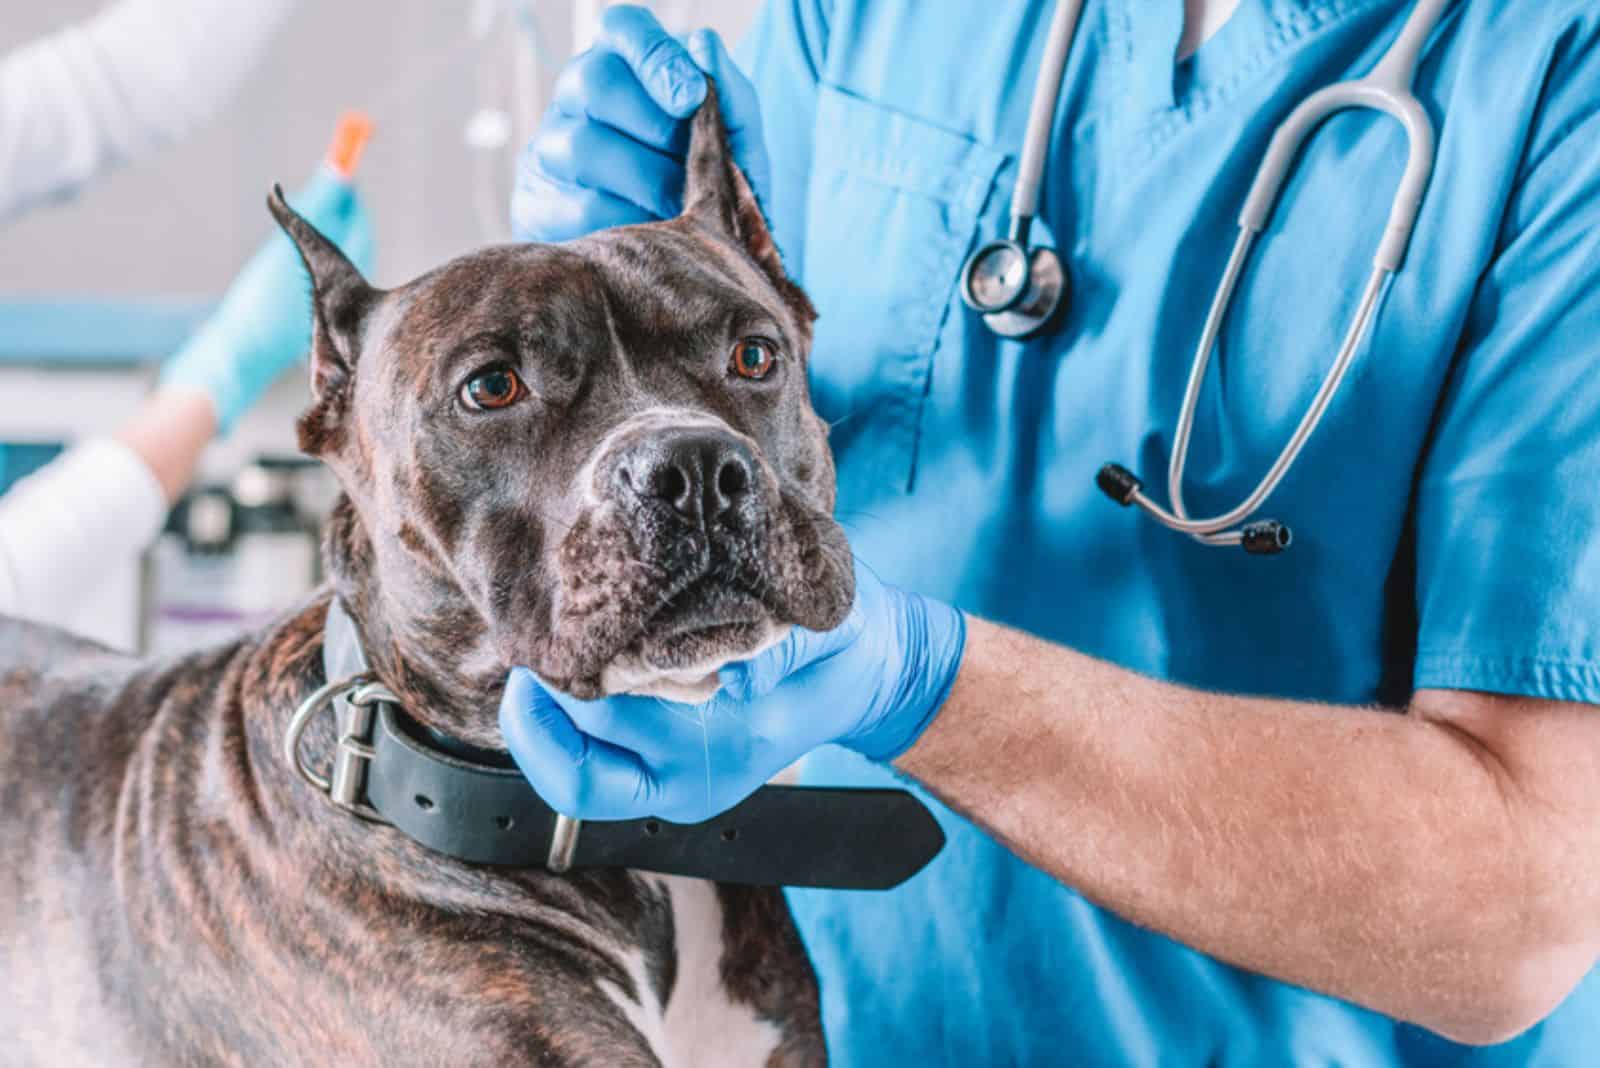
598	459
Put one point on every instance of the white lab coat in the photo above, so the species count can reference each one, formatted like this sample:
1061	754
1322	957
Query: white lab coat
136	76
66	525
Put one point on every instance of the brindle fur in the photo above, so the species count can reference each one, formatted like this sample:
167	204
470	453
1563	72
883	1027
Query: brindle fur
170	893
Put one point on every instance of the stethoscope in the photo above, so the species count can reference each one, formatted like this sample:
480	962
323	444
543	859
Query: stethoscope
1019	289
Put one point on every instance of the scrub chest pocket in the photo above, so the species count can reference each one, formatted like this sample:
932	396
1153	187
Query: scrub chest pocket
895	201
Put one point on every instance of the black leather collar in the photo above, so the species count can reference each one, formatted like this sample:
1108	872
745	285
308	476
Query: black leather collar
473	804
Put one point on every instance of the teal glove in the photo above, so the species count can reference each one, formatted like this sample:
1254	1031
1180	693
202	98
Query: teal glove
873	685
264	321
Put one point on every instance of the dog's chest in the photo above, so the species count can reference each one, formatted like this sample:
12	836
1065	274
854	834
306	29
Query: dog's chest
699	1024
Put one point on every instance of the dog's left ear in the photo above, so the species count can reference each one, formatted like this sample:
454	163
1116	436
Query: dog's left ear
341	300
717	196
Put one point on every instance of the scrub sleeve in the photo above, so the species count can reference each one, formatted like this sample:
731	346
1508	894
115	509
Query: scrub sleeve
1508	500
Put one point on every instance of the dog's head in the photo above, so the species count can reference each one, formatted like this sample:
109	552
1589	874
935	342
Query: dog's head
598	459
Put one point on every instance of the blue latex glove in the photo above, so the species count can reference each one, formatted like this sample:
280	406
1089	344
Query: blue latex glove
610	149
873	684
263	323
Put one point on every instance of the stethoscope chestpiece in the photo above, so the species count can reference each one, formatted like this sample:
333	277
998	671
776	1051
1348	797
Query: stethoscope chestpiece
995	276
1018	291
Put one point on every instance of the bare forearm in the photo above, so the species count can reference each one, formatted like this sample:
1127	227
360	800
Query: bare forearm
1371	855
169	433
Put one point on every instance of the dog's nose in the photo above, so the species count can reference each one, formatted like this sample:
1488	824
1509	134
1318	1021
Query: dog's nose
700	475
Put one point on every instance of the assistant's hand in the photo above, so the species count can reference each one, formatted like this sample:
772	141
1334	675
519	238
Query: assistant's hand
264	321
610	149
873	684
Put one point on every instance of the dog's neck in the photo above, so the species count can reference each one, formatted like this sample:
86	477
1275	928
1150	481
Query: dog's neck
422	638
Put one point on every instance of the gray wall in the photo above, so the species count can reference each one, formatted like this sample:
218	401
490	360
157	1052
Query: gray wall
180	223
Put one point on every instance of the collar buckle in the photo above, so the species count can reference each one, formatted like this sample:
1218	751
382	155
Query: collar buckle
345	783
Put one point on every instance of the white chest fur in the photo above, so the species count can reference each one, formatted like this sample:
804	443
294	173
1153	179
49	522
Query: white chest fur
699	1026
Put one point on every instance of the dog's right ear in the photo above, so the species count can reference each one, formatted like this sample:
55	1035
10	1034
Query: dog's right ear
340	302
718	197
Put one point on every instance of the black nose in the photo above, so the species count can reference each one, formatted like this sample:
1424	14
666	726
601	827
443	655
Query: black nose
700	475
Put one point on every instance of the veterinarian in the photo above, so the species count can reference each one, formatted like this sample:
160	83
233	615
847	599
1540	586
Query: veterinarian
1335	805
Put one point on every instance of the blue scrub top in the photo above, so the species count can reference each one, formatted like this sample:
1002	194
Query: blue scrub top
1445	514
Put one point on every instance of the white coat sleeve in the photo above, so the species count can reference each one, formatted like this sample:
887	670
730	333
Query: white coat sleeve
137	75
65	525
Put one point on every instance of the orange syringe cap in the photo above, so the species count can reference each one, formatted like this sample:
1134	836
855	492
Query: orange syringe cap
349	138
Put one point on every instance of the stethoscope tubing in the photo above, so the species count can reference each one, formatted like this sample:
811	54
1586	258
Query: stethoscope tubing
1387	89
1214	530
1025	304
1021	308
1042	117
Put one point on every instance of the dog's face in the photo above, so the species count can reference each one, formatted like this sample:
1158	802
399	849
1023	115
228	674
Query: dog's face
598	459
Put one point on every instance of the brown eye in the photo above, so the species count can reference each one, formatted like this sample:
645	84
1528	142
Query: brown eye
495	387
753	357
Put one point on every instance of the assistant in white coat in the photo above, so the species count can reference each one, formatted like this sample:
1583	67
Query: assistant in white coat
134	77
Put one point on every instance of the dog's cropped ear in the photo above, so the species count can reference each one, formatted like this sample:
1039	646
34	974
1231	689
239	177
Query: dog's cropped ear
340	302
717	196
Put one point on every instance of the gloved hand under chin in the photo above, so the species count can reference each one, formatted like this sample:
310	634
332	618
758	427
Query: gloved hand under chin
263	323
872	684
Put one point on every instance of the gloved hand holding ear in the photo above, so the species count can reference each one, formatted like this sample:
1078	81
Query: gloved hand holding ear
872	684
610	149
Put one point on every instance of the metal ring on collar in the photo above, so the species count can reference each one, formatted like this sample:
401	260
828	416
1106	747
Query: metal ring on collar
362	691
371	692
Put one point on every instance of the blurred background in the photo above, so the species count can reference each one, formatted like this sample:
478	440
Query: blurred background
98	288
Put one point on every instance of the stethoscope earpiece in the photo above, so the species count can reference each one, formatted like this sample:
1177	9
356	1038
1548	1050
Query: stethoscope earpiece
1118	483
1264	537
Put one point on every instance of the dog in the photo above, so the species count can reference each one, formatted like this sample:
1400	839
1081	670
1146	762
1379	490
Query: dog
598	459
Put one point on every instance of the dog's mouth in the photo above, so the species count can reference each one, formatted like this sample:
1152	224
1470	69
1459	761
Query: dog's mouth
661	618
694	633
706	618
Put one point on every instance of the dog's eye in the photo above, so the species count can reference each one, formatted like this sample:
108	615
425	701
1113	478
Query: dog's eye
753	357
493	387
